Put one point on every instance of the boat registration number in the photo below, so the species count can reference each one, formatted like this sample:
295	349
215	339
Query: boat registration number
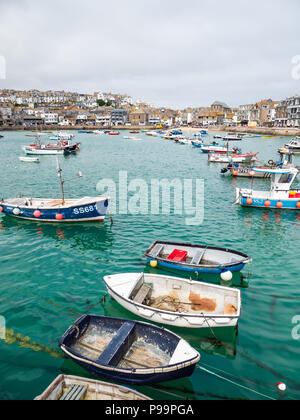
82	210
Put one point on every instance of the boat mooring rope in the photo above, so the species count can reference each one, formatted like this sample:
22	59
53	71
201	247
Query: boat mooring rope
25	342
235	383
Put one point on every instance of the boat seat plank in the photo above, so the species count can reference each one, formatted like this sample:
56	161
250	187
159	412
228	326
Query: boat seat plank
158	250
74	393
198	257
119	345
142	294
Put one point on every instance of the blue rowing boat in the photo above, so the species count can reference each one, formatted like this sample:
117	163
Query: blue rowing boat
128	351
196	258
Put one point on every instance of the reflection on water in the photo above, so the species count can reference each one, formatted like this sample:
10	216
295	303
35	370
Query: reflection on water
85	236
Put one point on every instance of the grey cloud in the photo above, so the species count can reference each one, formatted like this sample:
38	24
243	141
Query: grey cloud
168	52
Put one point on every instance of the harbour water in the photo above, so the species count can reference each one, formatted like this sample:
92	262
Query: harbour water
52	273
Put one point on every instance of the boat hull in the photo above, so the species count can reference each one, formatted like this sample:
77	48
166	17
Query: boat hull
42	152
175	319
108	368
95	211
287	204
220	270
235	263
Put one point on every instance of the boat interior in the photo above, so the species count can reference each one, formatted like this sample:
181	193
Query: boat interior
196	256
126	345
174	295
72	388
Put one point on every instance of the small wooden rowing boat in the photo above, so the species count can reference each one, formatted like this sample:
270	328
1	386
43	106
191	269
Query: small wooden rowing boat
73	388
128	351
196	258
174	301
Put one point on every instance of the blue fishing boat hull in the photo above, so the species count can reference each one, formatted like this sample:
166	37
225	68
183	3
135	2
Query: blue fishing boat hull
260	203
94	211
220	270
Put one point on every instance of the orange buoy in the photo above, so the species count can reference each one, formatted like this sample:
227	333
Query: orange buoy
249	201
267	203
37	214
59	216
251	173
298	205
235	173
1	209
279	205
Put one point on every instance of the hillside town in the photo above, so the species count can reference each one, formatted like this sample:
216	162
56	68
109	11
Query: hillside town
27	109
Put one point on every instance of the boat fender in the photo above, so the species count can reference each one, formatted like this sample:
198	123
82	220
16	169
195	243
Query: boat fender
153	263
1	209
16	212
37	214
226	276
298	205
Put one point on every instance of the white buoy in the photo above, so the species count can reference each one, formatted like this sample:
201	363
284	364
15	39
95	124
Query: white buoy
226	276
282	387
16	212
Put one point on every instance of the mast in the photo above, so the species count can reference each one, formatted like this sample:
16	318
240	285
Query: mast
61	182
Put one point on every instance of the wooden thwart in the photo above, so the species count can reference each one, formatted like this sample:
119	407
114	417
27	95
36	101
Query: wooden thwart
74	393
142	294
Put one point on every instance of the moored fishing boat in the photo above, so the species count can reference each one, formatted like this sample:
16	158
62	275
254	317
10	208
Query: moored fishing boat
293	146
174	301
196	258
86	209
280	196
236	170
237	158
217	149
73	388
128	351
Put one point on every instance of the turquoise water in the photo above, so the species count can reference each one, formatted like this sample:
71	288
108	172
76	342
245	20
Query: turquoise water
51	274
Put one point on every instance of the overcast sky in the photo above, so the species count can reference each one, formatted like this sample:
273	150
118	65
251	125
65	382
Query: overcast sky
169	52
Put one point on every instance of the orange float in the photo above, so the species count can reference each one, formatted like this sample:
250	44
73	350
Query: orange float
267	203
249	201
59	216
279	205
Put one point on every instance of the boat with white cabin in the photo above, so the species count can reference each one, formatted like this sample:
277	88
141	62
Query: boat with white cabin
280	196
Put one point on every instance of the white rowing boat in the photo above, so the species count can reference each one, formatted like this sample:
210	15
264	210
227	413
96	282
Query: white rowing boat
29	159
175	301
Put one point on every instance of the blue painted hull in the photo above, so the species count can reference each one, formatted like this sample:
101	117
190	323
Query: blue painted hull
260	203
138	379
123	335
95	211
233	269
